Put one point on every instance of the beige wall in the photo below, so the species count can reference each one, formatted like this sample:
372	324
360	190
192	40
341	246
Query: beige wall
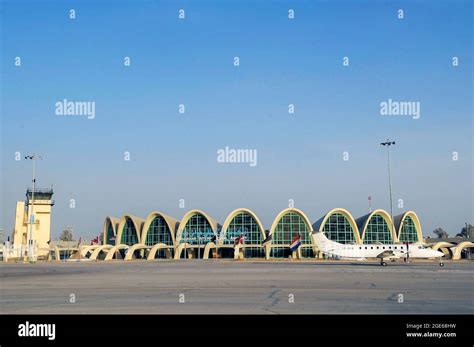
19	233
41	228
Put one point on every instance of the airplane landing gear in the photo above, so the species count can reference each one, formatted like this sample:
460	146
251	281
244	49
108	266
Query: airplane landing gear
441	264
383	263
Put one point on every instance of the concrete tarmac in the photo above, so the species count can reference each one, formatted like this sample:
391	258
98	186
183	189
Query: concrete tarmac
236	287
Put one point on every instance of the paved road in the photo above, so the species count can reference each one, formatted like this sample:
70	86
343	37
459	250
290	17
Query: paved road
236	287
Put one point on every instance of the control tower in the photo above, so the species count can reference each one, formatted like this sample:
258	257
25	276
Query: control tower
33	219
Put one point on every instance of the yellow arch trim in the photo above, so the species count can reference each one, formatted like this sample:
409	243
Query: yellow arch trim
234	213
277	220
180	248
186	218
156	248
416	220
137	222
387	219
349	217
99	249
111	253
171	222
207	249
85	249
109	220
132	249
288	210
457	249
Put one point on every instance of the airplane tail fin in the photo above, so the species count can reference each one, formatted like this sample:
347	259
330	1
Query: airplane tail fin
323	243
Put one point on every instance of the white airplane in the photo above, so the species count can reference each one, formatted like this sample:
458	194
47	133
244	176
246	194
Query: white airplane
374	250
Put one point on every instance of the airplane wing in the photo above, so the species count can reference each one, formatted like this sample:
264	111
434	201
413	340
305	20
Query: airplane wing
387	255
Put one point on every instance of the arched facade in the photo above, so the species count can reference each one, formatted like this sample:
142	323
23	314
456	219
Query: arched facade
101	250
286	225
159	228
117	252
376	227
243	222
136	251
160	248
408	227
338	225
86	251
196	228
109	232
129	230
457	250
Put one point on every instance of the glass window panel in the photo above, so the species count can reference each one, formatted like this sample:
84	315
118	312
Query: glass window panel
377	230
408	232
338	228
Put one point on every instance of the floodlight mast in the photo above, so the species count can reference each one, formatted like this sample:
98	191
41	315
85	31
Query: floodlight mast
31	221
387	144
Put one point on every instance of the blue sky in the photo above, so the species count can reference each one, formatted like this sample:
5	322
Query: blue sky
282	61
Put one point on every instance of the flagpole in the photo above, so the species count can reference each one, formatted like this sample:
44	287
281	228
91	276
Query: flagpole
199	244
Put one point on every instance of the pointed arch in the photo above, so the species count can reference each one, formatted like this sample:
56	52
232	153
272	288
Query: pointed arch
160	247
230	221
458	249
244	222
136	247
129	230
338	225
196	221
159	228
408	227
109	232
104	248
89	249
115	251
286	225
376	226
184	248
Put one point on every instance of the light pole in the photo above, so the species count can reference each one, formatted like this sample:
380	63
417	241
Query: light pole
33	157
387	144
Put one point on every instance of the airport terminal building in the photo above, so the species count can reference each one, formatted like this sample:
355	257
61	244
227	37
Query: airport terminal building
199	235
242	235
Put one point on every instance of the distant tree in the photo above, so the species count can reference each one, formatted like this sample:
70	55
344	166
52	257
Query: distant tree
441	233
464	231
66	235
